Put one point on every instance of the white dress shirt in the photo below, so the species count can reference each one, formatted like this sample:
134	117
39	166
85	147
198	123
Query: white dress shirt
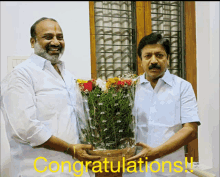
37	103
160	113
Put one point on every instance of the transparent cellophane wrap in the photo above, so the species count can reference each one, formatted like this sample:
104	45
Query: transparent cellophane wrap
106	121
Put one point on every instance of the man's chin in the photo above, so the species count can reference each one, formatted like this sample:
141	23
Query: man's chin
52	58
154	76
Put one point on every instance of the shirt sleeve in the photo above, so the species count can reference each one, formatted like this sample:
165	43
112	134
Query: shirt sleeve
188	103
19	110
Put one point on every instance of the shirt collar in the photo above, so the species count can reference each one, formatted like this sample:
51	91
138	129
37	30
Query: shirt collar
166	78
42	62
142	79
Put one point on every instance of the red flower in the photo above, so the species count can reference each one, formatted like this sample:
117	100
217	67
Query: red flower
120	83
88	86
128	82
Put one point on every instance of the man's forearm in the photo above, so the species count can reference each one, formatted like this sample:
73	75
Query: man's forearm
54	143
181	138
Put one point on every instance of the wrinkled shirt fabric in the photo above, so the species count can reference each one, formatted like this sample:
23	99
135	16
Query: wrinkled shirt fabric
160	113
36	104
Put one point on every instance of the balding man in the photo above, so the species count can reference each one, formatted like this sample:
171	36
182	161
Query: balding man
39	108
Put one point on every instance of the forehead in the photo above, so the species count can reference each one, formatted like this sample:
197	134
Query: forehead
153	48
48	26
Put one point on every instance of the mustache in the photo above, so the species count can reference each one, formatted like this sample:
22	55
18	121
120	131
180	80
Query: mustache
156	66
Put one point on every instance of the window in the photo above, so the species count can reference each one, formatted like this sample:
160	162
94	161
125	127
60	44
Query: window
115	38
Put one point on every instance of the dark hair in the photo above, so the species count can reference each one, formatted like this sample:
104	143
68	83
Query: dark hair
33	27
154	38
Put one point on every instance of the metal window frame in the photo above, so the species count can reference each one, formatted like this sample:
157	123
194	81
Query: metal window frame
132	49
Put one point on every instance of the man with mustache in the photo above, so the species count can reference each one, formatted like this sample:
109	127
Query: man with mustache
166	112
38	101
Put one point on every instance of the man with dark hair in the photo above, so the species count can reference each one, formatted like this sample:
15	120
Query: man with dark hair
166	112
38	101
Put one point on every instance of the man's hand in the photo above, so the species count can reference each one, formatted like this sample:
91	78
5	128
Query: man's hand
147	151
79	151
179	139
75	150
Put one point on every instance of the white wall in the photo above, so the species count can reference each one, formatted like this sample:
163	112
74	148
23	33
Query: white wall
73	17
16	20
207	36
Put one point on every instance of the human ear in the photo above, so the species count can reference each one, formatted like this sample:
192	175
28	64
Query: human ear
32	40
168	59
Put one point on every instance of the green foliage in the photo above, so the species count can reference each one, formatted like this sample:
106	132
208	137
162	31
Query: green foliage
110	117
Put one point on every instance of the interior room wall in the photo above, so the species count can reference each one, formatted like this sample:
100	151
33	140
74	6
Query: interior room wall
207	40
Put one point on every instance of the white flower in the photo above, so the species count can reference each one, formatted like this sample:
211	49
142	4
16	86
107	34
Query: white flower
99	81
101	84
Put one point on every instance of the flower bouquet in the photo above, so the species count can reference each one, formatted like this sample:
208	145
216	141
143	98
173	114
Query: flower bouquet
105	117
